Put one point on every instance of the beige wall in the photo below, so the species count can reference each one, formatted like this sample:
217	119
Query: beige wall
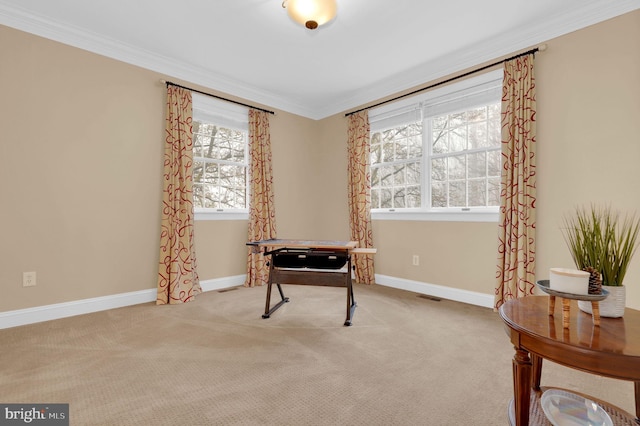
80	166
310	172
588	94
220	248
588	132
80	177
452	254
81	155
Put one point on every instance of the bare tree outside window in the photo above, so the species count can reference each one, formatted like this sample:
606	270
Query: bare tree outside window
220	167
462	150
396	158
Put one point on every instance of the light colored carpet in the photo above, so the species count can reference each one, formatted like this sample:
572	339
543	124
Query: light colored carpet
406	360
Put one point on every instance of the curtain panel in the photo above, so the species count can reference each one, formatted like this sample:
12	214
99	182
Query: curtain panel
359	193
517	223
262	213
178	280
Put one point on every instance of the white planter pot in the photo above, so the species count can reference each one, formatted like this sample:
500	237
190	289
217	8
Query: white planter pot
611	307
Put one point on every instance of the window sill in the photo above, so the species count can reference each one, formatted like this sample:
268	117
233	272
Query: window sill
478	215
221	215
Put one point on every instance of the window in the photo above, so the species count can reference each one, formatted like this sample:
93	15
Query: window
220	159
438	155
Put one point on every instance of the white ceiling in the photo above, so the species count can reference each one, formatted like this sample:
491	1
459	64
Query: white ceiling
251	49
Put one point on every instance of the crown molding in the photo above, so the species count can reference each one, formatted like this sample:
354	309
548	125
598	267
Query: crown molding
91	42
485	51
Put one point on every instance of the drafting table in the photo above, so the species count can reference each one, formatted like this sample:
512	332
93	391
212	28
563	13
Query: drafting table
309	262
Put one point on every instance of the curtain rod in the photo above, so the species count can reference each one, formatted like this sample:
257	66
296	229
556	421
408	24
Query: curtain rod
215	96
541	49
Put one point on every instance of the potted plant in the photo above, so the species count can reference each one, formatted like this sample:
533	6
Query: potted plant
603	243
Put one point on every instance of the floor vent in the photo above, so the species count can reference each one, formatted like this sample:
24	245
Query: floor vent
432	298
224	290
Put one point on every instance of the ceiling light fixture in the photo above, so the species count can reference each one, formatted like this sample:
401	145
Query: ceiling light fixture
311	13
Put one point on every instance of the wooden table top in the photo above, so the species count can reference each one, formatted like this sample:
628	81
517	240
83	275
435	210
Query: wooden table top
320	244
612	349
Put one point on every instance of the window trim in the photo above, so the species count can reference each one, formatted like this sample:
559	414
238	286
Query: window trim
220	214
471	214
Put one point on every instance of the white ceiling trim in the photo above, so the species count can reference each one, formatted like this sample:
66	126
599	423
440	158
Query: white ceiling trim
21	20
484	51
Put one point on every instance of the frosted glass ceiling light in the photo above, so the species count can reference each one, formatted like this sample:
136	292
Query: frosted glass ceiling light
311	13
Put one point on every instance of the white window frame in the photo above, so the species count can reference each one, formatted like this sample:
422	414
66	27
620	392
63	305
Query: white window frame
213	110
407	106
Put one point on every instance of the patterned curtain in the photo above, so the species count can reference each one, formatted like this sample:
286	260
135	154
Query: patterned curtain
178	280
360	194
262	213
517	225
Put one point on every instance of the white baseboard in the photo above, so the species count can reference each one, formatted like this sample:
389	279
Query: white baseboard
79	307
450	293
222	283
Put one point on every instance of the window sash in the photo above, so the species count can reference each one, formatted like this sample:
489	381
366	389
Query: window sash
464	96
233	117
211	110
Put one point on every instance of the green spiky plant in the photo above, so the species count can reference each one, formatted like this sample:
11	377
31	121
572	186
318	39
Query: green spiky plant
598	238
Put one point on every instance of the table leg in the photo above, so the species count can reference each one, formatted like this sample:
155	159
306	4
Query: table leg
268	301
536	371
351	303
521	386
349	294
595	309
267	310
566	312
637	389
552	305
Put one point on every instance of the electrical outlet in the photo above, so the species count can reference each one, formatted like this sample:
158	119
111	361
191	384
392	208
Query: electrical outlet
416	260
28	279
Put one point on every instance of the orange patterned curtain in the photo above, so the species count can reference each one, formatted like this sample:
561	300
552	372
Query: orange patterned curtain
360	194
262	212
517	226
178	280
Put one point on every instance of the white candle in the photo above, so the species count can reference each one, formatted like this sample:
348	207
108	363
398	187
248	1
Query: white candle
569	280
